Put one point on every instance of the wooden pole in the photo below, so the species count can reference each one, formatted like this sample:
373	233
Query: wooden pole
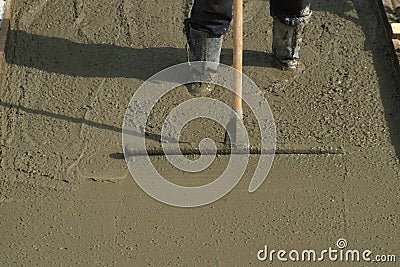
238	55
232	134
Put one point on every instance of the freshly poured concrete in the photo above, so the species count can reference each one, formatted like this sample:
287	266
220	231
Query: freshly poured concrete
67	198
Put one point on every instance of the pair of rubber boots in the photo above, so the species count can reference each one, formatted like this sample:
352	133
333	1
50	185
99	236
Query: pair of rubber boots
207	48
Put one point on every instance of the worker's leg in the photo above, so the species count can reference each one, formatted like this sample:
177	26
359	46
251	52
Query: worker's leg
209	21
290	18
211	16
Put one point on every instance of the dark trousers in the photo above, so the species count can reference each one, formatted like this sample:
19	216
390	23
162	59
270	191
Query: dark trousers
215	16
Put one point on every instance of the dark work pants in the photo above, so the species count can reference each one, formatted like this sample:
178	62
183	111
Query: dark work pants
214	16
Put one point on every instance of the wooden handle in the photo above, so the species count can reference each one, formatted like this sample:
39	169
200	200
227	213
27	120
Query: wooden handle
238	52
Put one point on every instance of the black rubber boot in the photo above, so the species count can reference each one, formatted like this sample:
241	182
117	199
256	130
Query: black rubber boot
286	45
203	47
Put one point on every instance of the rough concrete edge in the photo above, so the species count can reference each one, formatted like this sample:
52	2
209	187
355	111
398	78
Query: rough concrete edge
387	10
4	34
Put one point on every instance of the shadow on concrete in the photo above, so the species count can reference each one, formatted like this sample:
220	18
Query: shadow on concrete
71	119
389	74
57	55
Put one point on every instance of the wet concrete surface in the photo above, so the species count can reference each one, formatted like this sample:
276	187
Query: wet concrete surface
73	68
